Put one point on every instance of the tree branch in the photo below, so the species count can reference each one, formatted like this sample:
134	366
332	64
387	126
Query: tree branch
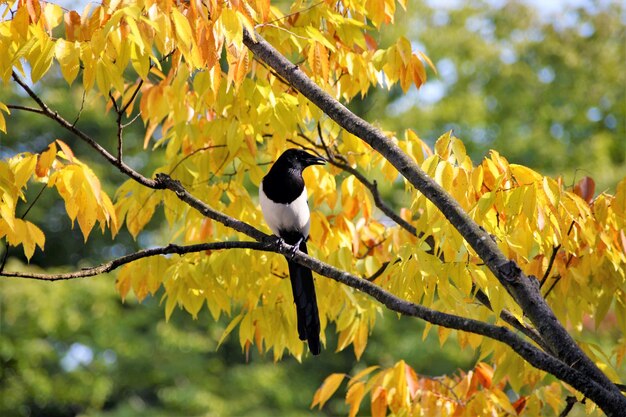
521	288
46	111
26	108
116	263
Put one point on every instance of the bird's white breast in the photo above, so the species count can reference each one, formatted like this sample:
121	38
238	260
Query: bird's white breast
294	216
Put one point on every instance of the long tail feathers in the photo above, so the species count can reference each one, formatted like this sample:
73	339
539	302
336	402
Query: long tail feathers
306	303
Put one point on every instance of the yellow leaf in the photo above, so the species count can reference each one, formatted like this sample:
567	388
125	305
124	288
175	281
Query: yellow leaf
87	211
23	170
183	29
24	233
362	374
53	15
477	178
7	211
3	125
360	339
319	37
328	388
139	61
123	281
43	57
619	203
234	322
524	175
444	175
233	29
551	188
404	50
458	150
442	146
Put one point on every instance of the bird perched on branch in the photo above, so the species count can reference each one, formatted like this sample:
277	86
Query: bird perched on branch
283	199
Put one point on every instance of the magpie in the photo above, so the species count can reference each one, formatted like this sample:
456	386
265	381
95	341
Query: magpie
284	204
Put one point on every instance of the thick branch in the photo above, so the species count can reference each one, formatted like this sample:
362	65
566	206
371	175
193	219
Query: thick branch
522	289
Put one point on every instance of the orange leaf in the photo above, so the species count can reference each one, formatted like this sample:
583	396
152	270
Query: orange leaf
484	374
45	159
379	402
66	150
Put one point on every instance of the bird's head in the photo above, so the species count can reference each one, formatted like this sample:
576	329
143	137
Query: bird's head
298	159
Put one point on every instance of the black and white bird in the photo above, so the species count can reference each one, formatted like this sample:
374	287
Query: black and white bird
283	199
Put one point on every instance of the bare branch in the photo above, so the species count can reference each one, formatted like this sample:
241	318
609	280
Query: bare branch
116	263
164	181
82	106
509	318
46	111
26	108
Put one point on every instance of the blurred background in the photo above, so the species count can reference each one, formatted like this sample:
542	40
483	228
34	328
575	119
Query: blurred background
544	83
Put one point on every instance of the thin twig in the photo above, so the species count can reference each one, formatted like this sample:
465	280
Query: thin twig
192	153
132	98
558	277
290	14
379	271
120	127
82	106
555	250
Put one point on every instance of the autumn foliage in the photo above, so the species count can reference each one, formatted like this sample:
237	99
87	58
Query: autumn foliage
215	115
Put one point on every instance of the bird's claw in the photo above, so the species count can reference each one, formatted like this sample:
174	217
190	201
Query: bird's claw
292	251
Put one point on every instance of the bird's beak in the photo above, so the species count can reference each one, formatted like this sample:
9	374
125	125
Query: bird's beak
315	160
